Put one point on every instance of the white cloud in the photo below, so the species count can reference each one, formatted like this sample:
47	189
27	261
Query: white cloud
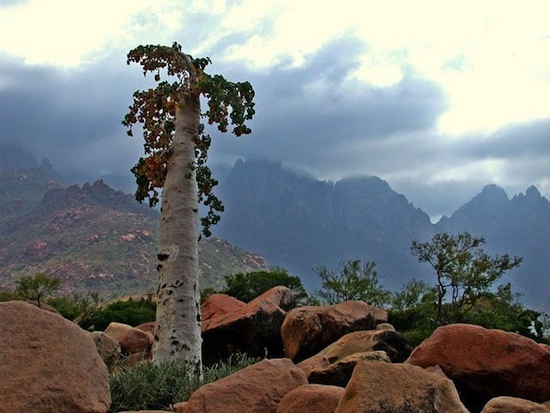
491	58
71	32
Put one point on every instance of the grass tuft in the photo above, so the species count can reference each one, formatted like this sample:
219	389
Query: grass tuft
156	387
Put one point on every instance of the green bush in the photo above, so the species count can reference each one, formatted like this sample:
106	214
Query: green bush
132	312
415	324
8	295
77	307
156	387
247	286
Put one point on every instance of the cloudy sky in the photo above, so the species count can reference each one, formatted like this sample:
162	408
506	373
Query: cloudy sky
438	97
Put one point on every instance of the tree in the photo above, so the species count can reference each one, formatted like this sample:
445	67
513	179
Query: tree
413	294
36	287
247	286
352	281
176	150
464	272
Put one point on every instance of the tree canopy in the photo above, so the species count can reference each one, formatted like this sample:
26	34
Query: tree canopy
230	105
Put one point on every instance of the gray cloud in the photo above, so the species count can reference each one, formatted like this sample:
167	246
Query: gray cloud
307	114
73	119
315	118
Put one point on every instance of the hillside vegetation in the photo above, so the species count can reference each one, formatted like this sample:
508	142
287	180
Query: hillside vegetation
92	237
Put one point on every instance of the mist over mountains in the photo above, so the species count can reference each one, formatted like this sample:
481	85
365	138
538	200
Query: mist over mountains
299	222
302	223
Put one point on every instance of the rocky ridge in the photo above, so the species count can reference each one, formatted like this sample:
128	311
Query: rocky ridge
92	237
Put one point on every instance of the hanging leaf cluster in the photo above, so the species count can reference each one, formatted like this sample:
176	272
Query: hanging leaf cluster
230	105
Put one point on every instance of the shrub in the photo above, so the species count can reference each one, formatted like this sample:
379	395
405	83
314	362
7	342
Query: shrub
155	387
77	307
8	295
247	286
132	312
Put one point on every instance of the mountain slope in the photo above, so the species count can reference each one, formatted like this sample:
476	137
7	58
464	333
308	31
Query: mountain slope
92	237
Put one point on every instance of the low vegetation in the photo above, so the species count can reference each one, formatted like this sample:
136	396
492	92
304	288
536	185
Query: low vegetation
157	387
36	287
132	312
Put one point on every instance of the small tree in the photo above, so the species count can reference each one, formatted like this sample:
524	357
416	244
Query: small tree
247	286
352	281
36	287
464	272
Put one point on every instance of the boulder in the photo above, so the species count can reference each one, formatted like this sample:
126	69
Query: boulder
487	363
117	330
257	388
135	340
339	372
506	404
148	327
253	329
385	326
311	398
107	347
308	330
334	364
49	364
390	388
219	304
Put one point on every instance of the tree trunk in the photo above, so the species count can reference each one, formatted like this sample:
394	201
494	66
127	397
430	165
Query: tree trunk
178	334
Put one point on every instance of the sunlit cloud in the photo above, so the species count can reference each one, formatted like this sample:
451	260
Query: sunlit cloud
68	33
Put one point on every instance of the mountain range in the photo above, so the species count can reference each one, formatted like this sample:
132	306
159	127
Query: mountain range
302	223
99	238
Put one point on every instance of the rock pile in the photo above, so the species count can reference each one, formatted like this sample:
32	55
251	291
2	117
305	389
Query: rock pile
332	359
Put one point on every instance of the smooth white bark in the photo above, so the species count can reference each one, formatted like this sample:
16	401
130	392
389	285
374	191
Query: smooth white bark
178	334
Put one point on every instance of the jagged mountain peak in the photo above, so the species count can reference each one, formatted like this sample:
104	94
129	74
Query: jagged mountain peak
301	222
532	196
482	207
532	190
494	191
531	207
